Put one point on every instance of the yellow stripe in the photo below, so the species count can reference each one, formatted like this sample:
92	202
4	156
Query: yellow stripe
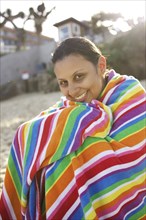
92	215
127	96
108	198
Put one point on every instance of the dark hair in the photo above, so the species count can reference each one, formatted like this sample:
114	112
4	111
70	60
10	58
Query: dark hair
77	45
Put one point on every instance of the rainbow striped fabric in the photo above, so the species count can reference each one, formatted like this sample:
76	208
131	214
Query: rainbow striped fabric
81	160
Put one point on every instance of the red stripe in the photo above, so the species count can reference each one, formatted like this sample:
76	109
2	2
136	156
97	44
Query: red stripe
62	209
3	210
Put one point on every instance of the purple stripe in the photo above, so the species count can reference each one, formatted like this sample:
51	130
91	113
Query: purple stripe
126	116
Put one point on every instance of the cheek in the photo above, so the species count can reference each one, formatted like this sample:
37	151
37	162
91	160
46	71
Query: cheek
96	88
64	91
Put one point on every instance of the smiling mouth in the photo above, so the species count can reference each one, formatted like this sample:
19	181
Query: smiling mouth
81	97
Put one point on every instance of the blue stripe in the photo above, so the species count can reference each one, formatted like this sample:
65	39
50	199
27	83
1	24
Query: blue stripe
32	200
129	124
74	129
34	138
136	210
16	164
77	214
93	115
54	166
107	181
120	89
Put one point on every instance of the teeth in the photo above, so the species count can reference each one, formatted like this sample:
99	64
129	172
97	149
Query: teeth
81	96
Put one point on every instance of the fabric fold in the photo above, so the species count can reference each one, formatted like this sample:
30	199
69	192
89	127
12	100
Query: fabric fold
80	160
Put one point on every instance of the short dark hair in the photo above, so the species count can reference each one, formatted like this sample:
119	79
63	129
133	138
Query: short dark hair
77	45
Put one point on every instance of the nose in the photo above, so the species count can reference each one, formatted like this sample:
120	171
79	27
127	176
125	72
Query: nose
72	90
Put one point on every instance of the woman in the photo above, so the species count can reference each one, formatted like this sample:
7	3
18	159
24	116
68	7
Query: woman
83	158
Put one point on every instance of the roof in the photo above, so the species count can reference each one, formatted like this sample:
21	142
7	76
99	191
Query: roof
70	20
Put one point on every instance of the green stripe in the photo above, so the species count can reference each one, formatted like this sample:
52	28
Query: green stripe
67	160
130	130
139	214
88	142
122	94
114	186
70	121
29	139
14	175
57	172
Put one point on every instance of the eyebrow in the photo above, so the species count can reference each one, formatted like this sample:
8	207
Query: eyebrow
78	71
61	79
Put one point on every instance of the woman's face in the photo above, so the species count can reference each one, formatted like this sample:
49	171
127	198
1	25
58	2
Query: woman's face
79	79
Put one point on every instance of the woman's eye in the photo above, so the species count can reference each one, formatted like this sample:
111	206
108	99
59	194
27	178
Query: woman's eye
63	83
78	77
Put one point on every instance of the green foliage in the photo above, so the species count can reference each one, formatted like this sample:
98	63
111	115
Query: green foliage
127	53
98	22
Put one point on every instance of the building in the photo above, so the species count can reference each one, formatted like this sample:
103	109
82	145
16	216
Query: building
11	39
71	28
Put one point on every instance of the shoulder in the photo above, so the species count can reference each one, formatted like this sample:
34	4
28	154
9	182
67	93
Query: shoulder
123	79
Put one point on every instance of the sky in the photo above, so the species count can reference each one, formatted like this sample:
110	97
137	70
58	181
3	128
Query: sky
80	10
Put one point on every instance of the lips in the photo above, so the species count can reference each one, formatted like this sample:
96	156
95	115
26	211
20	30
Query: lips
81	98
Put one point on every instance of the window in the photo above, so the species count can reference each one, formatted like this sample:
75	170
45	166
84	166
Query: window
64	32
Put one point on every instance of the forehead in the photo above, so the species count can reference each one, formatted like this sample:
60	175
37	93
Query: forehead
70	59
71	63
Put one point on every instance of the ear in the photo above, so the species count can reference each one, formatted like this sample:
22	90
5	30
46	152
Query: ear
102	64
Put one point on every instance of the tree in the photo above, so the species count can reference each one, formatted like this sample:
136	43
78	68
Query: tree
38	17
20	32
126	54
104	22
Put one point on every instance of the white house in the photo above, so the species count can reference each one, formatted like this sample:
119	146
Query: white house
71	28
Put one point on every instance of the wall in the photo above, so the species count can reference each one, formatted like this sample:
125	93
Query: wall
13	65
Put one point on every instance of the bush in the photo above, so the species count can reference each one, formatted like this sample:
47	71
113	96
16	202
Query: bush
126	54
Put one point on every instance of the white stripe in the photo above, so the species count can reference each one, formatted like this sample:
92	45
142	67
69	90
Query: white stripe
9	205
110	170
50	167
108	95
16	156
108	153
118	188
120	206
95	123
43	154
93	160
126	122
130	149
91	210
71	209
20	146
41	130
135	208
69	150
128	92
128	108
26	132
60	197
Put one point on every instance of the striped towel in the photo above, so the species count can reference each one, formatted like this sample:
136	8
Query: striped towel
81	160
